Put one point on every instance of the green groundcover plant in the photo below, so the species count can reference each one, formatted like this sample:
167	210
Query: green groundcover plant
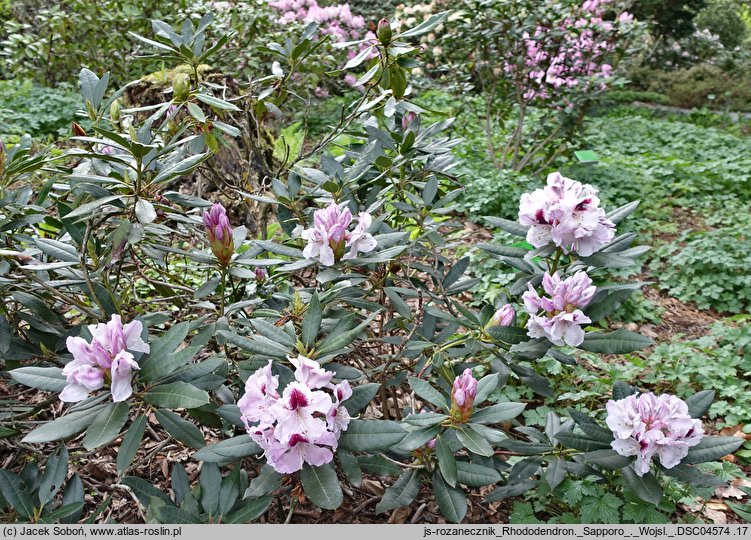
340	341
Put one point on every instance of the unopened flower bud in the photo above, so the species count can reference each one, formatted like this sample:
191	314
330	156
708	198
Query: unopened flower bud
503	317
181	86
115	110
407	119
77	130
463	395
384	32
261	275
219	232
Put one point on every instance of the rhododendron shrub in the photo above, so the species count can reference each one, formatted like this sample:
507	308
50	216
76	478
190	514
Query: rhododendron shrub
341	340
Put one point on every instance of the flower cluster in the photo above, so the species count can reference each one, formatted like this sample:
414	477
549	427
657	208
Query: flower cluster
329	237
568	214
463	395
336	20
219	232
561	319
303	424
105	358
568	55
649	425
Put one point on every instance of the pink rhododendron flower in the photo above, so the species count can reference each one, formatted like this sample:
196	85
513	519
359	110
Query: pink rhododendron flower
303	424
504	316
647	426
463	394
330	236
219	231
567	214
561	319
106	357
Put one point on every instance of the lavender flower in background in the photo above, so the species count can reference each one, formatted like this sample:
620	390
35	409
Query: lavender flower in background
329	237
567	214
647	426
463	395
219	232
561	319
105	358
303	424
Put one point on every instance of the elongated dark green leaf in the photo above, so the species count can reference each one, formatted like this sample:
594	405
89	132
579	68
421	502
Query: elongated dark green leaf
428	393
699	403
693	476
171	514
646	487
485	387
321	486
510	490
371	435
361	396
622	390
181	429
107	425
476	475
17	498
130	443
524	469
177	395
451	500
50	378
266	483
64	427
712	448
590	427
425	419
72	494
210	481
511	227
446	461
144	490
607	459
249	511
580	442
54	475
350	466
619	342
417	438
311	323
473	441
229	449
555	473
402	493
500	412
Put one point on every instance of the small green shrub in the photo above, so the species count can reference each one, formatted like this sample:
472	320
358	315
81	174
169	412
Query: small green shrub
709	268
36	110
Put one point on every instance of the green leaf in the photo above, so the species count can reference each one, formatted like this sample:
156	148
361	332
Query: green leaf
266	483
130	443
259	344
590	427
173	515
473	441
371	435
426	419
402	493
512	227
601	509
50	378
379	466
497	413
181	168
712	448
555	472
72	494
607	459
167	365
485	387
457	271
335	342
693	476
510	490
249	511
524	469
476	475
229	449
63	427
446	461
176	395
166	343
216	102
54	475
621	341
646	487
425	26
361	396
699	403
417	438
580	442
64	511
181	429
321	486
107	425
210	481
350	466
144	490
17	498
428	393
622	390
451	500
311	323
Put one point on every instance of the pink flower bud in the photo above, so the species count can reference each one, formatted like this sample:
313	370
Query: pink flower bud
504	316
219	232
463	396
407	119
